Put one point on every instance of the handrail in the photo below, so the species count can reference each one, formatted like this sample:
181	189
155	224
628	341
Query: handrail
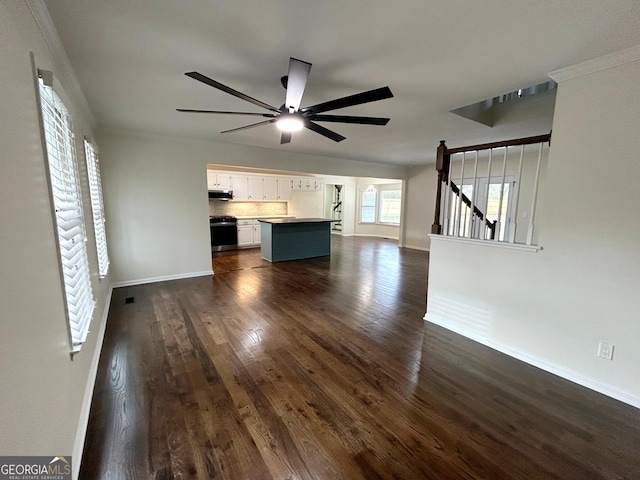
476	211
506	143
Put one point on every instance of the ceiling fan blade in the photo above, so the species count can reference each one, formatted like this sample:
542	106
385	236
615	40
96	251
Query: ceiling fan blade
246	127
285	138
296	82
349	119
229	90
336	137
188	110
357	99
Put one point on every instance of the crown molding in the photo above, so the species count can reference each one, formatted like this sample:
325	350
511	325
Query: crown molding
597	64
64	70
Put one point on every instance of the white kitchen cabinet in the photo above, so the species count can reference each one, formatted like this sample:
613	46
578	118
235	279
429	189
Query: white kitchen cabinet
218	180
240	186
270	188
257	235
249	233
211	180
259	188
255	188
284	188
245	233
303	184
307	184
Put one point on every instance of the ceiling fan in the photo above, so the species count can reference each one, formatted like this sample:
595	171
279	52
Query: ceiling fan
290	117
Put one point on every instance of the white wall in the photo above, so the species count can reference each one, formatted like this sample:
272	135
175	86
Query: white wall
420	197
307	204
158	209
156	201
551	308
44	395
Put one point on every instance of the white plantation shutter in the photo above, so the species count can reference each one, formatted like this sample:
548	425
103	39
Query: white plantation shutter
97	207
67	202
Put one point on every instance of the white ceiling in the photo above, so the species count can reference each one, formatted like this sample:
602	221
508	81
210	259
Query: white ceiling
130	57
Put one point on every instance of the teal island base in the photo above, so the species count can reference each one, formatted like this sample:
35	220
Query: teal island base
295	238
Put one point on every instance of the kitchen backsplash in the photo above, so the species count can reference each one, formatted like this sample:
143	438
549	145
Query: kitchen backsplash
246	209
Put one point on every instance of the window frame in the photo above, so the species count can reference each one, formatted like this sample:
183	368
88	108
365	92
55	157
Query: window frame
383	189
65	193
361	206
97	207
379	189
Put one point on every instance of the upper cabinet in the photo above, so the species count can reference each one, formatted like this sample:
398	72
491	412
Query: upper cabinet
270	188
218	180
284	188
253	187
307	184
240	186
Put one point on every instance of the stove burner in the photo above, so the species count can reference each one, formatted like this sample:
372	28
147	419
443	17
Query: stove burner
223	219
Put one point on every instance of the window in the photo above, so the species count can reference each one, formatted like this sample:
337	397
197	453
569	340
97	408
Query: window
97	207
460	221
368	205
390	206
67	204
381	204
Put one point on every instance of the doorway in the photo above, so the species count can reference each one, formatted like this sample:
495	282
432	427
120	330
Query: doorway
334	206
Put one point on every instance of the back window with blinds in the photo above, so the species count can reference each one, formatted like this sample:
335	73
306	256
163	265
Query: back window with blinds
67	202
97	207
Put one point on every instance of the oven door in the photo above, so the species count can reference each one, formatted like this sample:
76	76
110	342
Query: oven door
224	236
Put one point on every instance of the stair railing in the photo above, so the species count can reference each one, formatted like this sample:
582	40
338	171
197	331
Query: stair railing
452	204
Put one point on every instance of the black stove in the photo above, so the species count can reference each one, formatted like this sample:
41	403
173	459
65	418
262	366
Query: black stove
224	233
223	219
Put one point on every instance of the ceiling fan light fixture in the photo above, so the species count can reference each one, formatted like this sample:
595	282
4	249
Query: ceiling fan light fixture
289	123
290	117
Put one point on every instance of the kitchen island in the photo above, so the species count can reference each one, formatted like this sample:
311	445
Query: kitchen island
285	239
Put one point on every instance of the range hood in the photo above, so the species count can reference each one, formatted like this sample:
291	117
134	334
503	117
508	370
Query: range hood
220	194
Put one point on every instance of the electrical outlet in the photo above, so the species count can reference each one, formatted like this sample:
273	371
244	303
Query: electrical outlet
605	350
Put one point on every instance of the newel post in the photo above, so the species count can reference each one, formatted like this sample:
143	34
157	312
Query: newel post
442	166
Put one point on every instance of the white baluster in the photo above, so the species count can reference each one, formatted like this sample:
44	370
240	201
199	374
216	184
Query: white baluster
486	194
514	220
534	198
473	195
459	219
504	171
446	227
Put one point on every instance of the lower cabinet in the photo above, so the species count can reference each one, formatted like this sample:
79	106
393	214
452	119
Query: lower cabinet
248	233
257	237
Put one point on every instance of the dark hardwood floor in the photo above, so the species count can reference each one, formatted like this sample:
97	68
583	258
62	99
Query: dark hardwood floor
325	369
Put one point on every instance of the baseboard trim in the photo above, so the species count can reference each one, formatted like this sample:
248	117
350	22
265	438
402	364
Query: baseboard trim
414	247
81	432
180	276
385	237
563	372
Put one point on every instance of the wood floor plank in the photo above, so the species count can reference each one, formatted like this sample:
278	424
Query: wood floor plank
324	369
